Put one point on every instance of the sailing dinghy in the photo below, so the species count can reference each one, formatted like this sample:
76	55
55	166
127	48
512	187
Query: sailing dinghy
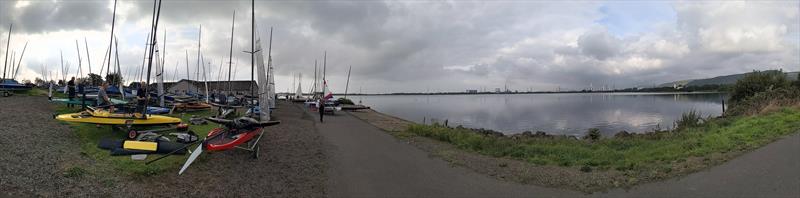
102	116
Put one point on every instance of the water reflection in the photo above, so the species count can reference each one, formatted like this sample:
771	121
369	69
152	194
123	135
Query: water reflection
570	114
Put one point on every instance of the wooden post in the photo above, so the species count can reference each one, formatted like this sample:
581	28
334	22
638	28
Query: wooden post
723	106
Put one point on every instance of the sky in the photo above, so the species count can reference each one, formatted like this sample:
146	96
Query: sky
419	46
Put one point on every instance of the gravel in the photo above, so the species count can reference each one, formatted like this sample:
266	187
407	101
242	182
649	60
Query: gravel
40	156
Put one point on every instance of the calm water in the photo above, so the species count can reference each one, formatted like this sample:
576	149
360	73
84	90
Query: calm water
570	114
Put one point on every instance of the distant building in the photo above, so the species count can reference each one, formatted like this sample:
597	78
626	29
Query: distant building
472	91
497	90
183	86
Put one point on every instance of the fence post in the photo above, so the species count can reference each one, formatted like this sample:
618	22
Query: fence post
723	106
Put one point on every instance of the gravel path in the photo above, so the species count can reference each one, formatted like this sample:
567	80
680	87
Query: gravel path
367	162
38	154
36	151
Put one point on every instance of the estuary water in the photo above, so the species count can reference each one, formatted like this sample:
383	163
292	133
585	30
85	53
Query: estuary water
561	113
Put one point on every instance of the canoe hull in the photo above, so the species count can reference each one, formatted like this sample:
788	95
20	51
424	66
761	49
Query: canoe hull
224	142
120	120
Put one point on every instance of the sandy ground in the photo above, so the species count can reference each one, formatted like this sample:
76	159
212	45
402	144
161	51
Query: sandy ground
38	152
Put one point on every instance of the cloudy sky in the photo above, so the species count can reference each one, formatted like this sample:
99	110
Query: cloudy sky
404	46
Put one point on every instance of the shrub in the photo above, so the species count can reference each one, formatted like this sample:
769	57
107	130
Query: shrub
623	134
759	101
756	82
688	119
593	134
797	81
345	101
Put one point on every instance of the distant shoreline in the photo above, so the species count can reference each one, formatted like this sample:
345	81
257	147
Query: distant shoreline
521	93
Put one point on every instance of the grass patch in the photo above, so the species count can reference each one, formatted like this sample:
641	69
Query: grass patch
74	172
653	152
90	135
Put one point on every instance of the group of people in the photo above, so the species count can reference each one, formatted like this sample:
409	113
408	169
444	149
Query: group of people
102	100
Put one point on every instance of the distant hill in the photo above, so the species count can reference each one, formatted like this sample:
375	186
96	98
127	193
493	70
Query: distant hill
719	80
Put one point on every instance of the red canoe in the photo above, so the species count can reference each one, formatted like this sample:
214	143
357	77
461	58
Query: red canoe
228	141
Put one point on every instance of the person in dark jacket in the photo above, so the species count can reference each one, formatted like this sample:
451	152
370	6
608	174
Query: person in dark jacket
141	98
71	91
82	91
321	109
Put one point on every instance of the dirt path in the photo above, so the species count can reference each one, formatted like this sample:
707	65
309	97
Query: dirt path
367	162
37	154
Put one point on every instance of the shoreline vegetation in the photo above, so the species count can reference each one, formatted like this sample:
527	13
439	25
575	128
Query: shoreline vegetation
764	108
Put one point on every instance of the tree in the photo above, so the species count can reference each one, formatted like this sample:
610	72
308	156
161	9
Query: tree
95	80
134	84
797	81
758	81
113	78
38	81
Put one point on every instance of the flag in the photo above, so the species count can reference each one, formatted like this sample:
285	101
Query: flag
327	92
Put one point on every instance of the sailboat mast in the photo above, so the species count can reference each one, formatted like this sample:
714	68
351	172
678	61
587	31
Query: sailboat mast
62	65
230	55
140	74
80	67
270	78
348	81
13	59
20	60
156	14
88	60
119	70
8	42
188	75
111	37
103	64
164	52
197	73
252	46
314	89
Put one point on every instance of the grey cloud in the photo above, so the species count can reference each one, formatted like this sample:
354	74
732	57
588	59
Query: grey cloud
42	16
599	44
407	45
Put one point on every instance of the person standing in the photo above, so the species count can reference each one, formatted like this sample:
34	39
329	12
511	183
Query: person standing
321	109
71	92
141	99
82	91
102	98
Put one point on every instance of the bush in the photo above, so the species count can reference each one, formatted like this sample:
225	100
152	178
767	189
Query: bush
756	82
797	81
345	101
688	119
754	104
593	134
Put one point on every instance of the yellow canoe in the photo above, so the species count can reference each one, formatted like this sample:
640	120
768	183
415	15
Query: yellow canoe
104	117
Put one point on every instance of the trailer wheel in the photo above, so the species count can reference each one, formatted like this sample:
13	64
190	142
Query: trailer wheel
255	152
132	134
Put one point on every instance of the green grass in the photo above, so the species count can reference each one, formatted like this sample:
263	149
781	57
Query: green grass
640	152
90	135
